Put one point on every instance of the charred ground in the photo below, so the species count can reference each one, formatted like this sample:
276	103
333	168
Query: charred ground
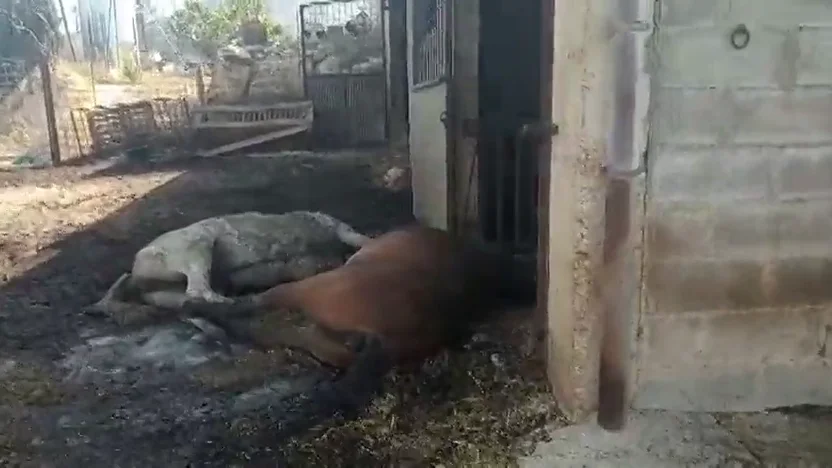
67	233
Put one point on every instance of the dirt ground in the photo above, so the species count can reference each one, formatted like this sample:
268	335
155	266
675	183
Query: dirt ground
67	233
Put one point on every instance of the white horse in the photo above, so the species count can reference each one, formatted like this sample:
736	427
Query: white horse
238	252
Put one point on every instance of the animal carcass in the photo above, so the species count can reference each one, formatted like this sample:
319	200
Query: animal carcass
402	297
237	253
418	289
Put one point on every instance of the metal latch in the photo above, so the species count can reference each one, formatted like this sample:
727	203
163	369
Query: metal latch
538	130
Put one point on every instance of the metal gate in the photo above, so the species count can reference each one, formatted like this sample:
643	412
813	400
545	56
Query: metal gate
344	71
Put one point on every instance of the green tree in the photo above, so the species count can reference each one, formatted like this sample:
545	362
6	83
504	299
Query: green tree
208	29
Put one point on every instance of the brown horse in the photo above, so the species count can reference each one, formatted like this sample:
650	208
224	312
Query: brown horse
400	299
416	288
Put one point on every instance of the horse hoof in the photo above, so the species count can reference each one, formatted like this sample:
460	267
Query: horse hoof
96	310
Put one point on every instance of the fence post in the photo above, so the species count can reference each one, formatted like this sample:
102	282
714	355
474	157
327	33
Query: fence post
49	107
66	30
302	19
200	85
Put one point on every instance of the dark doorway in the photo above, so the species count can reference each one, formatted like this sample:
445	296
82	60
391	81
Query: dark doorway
399	86
510	95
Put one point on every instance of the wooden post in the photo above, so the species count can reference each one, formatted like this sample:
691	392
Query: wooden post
118	44
77	135
139	22
137	57
49	105
200	85
92	57
66	29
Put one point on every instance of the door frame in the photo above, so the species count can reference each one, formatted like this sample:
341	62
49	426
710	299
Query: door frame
451	120
439	84
544	156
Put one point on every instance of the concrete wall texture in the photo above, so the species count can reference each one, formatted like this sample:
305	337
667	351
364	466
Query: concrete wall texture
580	106
736	307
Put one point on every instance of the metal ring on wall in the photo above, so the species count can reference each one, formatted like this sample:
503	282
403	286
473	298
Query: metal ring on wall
740	37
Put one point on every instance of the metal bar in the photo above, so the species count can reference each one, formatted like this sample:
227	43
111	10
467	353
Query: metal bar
346	102
253	124
384	62
429	84
252	107
441	37
431	71
483	178
534	177
538	133
518	173
500	184
452	123
303	73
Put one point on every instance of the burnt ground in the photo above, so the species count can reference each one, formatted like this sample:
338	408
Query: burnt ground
78	390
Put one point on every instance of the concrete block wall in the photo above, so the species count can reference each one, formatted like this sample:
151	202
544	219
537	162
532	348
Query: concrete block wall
737	292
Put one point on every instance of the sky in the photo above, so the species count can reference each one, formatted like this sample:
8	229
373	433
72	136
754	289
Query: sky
124	10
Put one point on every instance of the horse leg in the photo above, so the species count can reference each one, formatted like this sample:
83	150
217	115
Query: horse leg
322	346
115	293
262	276
317	343
114	306
194	263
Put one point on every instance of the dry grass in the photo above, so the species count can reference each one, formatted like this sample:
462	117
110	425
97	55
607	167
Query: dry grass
17	135
148	85
481	406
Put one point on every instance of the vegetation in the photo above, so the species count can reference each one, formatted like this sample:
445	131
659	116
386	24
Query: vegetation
130	69
28	28
208	29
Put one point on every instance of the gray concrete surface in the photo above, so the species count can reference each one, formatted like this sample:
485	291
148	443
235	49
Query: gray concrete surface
673	439
736	312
